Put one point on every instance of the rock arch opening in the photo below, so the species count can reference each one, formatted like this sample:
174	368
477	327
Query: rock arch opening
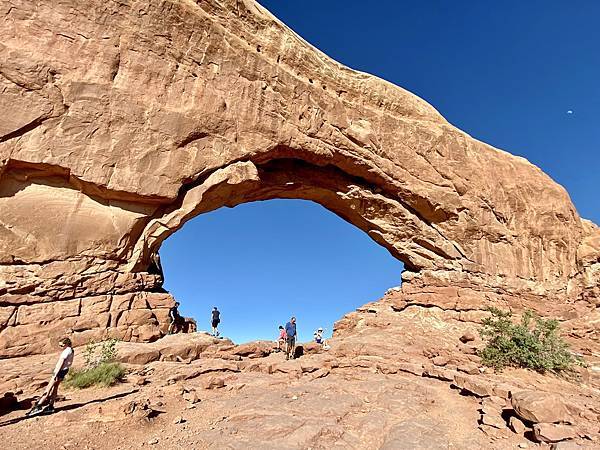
403	223
262	262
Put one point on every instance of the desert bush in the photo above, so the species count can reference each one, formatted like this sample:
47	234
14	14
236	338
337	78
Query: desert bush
533	343
101	367
104	374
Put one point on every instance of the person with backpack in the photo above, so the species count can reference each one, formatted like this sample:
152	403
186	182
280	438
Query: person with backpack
216	320
174	319
45	404
290	331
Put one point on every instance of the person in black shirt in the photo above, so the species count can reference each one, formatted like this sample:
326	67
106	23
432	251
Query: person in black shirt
216	319
174	319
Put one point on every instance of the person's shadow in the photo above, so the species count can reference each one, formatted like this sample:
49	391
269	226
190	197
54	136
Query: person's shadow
70	407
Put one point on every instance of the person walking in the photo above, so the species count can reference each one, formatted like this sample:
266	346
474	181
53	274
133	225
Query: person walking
216	320
46	402
290	331
174	319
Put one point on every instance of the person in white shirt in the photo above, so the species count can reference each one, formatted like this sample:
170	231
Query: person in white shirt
63	364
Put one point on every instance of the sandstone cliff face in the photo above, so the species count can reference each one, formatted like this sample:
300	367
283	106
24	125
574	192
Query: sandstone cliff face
125	119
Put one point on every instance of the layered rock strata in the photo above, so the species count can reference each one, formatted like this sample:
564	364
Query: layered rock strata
126	119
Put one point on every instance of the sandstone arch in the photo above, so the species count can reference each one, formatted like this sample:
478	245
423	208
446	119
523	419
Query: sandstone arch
128	118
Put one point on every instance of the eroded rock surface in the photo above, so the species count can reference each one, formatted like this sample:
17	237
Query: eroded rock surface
125	119
396	376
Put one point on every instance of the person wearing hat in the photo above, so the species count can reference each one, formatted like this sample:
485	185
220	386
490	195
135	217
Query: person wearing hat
318	336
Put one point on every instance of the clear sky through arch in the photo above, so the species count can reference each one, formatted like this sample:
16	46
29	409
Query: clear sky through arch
261	262
521	76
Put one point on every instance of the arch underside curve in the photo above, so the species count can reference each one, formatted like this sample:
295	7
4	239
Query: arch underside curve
388	221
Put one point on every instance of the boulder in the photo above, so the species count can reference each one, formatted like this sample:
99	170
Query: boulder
213	383
537	407
256	349
467	337
476	386
552	432
517	425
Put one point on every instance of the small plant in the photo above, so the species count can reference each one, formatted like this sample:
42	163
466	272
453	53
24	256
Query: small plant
101	367
105	374
534	343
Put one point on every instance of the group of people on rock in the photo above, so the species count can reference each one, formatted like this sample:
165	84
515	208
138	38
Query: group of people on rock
177	323
287	337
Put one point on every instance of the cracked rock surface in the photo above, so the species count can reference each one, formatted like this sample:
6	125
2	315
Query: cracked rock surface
397	376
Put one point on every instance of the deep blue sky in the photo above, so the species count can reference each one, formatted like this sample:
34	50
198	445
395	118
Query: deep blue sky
505	72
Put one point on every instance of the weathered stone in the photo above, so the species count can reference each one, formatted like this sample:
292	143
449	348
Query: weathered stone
535	406
467	337
493	420
191	397
475	386
552	432
517	425
415	369
440	360
213	383
471	369
116	138
257	349
439	373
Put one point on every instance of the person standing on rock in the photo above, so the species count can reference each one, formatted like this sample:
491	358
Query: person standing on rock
46	402
174	319
216	320
318	336
290	331
281	339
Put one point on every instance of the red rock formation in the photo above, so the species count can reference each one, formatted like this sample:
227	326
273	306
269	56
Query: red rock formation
126	120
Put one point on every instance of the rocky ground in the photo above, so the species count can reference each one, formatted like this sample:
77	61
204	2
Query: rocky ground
397	376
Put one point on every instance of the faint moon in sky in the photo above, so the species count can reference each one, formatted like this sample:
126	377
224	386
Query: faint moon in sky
570	111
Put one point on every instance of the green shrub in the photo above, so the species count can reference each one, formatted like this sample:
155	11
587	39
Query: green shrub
105	374
533	343
100	366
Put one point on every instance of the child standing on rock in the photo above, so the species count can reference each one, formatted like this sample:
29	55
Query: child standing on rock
46	402
281	339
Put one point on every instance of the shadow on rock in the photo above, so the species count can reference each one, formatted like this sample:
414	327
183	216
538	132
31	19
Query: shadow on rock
64	408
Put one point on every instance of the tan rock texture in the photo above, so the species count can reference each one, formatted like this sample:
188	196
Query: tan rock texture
374	388
126	119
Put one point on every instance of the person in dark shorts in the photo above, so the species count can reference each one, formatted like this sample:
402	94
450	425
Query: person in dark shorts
290	331
216	320
46	402
174	319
